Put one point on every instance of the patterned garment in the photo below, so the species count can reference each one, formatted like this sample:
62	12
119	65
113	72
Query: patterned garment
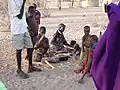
83	55
42	48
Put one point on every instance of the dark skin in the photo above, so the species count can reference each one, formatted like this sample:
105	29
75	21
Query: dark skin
86	31
87	44
72	43
32	26
21	10
35	5
42	44
61	28
29	53
88	66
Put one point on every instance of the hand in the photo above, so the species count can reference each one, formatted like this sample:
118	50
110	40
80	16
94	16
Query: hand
42	37
28	28
24	0
31	33
35	47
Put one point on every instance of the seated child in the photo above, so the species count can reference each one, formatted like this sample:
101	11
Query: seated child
41	46
59	40
87	64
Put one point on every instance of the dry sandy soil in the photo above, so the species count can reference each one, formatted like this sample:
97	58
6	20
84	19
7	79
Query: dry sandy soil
62	77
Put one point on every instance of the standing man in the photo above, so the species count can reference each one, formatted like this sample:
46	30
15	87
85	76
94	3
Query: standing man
20	35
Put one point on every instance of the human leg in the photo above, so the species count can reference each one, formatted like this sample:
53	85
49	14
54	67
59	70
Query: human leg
29	46
17	41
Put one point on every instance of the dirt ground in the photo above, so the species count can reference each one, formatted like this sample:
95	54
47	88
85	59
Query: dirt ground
62	77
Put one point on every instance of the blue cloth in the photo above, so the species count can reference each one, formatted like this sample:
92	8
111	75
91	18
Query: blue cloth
94	46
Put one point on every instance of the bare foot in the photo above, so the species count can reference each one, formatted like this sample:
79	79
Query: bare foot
34	69
78	71
22	75
81	81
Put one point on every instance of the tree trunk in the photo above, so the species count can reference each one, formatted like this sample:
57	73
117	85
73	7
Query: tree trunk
59	4
94	3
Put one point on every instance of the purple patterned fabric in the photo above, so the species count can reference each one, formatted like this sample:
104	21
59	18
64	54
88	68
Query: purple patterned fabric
106	61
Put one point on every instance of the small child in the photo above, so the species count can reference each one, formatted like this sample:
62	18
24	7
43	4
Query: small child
87	64
42	45
84	39
85	48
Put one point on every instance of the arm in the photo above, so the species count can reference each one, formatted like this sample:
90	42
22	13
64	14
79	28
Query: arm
45	45
65	42
83	39
39	13
21	10
39	42
54	39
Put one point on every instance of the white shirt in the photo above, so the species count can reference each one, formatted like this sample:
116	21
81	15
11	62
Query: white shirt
18	26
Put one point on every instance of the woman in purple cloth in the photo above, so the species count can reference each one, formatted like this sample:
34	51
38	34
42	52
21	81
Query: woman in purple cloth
106	61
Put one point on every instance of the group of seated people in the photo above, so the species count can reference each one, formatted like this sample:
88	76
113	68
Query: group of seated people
59	44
